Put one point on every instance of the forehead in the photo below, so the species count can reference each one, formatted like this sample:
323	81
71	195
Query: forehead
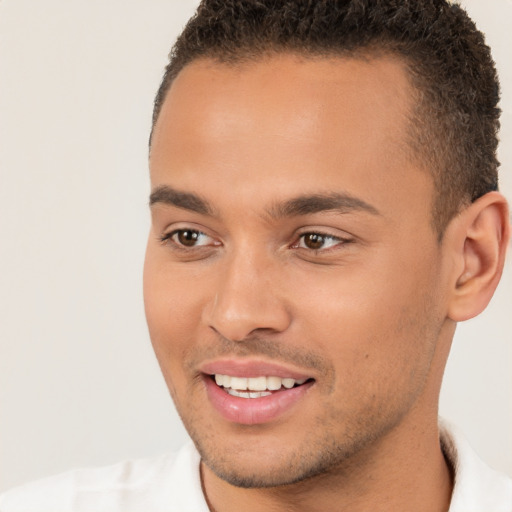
303	124
284	85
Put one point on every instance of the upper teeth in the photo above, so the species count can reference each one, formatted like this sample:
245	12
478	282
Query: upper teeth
256	383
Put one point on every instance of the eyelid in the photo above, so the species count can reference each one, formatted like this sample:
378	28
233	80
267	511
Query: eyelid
168	235
340	239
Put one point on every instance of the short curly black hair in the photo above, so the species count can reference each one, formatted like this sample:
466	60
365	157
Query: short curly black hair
455	123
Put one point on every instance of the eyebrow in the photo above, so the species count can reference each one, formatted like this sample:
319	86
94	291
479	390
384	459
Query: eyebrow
297	206
317	203
185	200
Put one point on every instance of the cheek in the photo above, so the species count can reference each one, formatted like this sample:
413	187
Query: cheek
382	358
173	292
371	318
173	311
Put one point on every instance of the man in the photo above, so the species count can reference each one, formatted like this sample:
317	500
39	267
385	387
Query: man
324	211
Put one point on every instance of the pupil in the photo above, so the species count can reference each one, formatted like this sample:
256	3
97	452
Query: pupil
188	238
314	241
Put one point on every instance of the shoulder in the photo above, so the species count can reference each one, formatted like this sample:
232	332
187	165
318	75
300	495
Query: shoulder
477	487
168	482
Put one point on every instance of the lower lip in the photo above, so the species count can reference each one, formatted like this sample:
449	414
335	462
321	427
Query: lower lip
253	411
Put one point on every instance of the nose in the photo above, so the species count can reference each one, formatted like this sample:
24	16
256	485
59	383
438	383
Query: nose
247	299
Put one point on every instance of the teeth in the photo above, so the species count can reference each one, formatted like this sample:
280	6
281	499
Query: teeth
274	383
258	394
239	383
254	385
248	394
288	383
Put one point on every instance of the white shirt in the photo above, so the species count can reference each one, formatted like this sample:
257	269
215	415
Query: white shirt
171	483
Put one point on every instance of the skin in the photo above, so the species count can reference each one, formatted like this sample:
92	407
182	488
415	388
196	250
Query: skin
369	314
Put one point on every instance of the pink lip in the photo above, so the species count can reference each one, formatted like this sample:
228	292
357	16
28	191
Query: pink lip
252	411
251	368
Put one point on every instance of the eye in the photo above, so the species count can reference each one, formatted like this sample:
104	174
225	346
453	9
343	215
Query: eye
318	241
189	238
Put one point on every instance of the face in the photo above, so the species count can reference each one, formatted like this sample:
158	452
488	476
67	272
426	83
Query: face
293	282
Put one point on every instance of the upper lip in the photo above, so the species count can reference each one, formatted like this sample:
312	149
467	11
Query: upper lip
251	368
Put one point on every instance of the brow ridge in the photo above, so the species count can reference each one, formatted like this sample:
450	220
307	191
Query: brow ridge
164	194
317	203
302	205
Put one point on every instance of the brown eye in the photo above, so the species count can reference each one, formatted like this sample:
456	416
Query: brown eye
190	238
314	241
320	242
187	237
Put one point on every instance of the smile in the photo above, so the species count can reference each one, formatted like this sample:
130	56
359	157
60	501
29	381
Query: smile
255	387
252	393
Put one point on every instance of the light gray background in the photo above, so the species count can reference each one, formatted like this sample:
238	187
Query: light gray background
79	384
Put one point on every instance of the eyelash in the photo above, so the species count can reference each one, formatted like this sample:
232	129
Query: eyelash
339	241
168	238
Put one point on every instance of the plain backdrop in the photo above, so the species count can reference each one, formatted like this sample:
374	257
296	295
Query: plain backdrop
79	384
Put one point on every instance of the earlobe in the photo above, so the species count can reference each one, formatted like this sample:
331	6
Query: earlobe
481	237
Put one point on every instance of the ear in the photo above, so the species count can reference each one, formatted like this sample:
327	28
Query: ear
478	239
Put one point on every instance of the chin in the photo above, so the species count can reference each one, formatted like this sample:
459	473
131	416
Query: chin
265	466
269	476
